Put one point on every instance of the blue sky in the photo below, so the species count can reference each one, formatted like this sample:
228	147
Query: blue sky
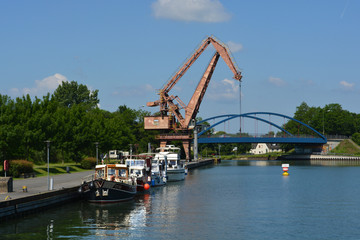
288	51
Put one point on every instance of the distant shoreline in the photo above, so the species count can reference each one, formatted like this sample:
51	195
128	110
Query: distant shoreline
298	157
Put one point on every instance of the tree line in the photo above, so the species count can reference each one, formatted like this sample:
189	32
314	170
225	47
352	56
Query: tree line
71	120
329	120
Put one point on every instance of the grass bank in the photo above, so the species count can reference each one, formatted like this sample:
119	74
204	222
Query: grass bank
54	169
57	168
347	147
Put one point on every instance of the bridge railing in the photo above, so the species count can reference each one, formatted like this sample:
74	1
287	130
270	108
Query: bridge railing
336	137
258	135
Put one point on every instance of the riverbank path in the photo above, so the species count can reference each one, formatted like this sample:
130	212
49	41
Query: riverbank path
38	185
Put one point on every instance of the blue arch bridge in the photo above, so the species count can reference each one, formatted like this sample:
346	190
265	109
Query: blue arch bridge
315	139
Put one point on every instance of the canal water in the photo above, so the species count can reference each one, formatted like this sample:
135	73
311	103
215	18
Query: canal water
232	200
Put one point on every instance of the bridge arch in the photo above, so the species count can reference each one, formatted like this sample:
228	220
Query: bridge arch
253	116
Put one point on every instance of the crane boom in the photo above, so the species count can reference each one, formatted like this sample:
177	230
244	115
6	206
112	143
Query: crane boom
166	102
195	101
170	84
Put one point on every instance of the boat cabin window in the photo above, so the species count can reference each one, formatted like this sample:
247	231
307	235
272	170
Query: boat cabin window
138	172
136	162
172	162
111	172
122	173
100	173
155	166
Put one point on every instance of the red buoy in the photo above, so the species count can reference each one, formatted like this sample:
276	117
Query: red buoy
146	186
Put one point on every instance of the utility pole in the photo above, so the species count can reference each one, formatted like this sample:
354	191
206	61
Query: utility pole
48	161
324	120
97	152
196	143
130	151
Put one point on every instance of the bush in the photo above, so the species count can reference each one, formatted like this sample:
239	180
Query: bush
88	163
17	167
356	138
37	157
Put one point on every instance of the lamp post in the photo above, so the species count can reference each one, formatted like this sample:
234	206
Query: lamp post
324	121
130	151
196	153
97	155
48	172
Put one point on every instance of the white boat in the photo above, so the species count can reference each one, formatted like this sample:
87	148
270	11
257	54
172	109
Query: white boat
158	171
175	169
140	169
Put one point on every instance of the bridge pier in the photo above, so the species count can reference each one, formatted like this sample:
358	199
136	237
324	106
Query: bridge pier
196	152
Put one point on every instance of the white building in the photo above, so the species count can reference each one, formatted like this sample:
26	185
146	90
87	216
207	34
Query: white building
116	154
263	148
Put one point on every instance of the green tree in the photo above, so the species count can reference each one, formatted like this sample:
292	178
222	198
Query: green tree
71	93
356	138
332	120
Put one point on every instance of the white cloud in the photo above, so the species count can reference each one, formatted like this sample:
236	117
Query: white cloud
191	10
234	47
42	87
277	81
346	85
225	90
149	88
14	92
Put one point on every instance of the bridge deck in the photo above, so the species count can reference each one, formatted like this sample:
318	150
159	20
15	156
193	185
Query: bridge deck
290	140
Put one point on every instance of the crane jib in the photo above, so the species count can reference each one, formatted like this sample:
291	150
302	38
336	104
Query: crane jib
171	117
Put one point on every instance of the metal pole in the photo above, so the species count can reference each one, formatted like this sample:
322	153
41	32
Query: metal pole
195	143
130	151
324	120
240	105
48	161
97	155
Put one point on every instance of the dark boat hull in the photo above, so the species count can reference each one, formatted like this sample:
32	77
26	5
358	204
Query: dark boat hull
102	191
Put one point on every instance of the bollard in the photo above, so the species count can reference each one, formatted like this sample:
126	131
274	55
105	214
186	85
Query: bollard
67	169
51	183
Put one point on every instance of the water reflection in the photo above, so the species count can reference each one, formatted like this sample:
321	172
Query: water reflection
47	224
264	163
50	229
116	219
249	202
158	211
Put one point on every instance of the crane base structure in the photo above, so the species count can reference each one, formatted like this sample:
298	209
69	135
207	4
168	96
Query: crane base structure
186	140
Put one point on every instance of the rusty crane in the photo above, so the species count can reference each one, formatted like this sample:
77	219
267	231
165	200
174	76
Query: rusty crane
170	117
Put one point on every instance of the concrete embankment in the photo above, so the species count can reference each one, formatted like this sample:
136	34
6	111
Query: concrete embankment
20	206
32	194
325	160
200	163
321	157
